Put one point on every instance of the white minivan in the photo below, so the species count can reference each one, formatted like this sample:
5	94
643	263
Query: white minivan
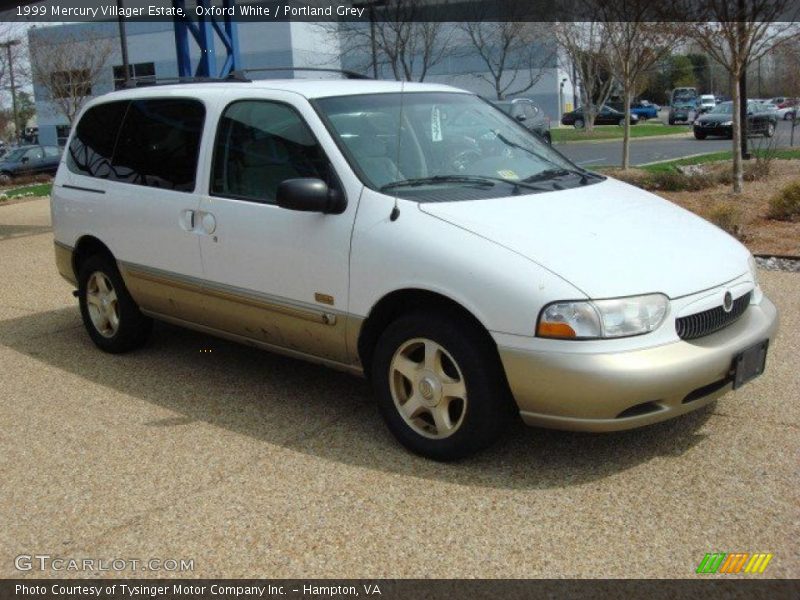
411	233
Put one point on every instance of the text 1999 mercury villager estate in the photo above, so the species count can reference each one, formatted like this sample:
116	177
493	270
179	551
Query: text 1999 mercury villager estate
410	232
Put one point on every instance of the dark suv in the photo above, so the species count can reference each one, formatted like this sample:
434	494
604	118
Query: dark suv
528	113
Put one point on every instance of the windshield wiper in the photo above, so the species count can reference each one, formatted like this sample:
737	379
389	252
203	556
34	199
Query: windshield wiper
437	179
549	174
478	180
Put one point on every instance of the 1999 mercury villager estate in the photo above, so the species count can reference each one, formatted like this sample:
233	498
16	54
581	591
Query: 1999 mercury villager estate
412	233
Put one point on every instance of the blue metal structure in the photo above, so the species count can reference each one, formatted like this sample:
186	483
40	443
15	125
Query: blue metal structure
203	31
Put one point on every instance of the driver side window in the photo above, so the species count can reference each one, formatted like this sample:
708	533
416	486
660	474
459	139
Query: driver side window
261	144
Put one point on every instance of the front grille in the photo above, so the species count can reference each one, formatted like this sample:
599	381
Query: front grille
711	320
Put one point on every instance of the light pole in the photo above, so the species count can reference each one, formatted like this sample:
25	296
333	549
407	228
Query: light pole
7	45
561	98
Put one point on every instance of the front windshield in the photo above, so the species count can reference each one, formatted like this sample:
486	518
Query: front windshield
726	108
446	146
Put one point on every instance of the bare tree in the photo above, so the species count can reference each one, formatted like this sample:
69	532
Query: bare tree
514	51
396	37
634	45
69	69
584	45
736	33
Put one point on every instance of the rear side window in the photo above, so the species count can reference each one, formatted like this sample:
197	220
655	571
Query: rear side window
92	146
260	144
159	143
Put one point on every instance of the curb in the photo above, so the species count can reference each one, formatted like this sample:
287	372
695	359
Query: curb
633	140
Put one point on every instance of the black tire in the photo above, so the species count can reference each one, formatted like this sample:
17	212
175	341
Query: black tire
699	136
579	124
133	327
487	407
621	122
5	178
770	130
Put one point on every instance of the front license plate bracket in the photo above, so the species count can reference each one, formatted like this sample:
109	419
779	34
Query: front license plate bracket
749	363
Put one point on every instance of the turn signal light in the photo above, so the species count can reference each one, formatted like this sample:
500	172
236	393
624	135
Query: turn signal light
556	330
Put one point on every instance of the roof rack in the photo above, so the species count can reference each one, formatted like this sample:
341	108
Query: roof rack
234	76
344	72
239	76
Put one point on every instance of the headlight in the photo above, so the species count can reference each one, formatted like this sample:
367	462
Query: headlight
757	293
613	318
726	123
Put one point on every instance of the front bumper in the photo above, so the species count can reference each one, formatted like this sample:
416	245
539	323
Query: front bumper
713	129
624	390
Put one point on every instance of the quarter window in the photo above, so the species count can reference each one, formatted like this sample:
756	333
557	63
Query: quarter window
159	143
92	146
260	144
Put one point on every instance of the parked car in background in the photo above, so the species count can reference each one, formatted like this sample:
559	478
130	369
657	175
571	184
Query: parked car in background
530	114
705	103
682	111
719	121
788	108
29	160
642	109
605	116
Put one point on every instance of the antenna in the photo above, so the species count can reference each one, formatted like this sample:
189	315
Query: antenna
396	210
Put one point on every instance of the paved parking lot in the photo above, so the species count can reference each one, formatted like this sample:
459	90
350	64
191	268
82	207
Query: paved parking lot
255	465
646	150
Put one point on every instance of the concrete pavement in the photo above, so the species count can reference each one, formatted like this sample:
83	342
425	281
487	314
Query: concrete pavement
254	465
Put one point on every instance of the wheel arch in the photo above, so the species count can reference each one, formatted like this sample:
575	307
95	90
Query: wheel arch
400	302
87	246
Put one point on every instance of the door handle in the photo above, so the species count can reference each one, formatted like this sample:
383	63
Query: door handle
186	220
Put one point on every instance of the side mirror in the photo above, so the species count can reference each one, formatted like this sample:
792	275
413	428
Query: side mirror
24	159
310	195
521	118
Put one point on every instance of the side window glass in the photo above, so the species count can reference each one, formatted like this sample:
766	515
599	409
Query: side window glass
159	143
92	146
51	151
260	144
34	154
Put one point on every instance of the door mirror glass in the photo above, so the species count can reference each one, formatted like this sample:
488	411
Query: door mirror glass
520	117
25	159
308	194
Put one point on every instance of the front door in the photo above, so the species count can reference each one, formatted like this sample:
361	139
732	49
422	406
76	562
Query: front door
274	275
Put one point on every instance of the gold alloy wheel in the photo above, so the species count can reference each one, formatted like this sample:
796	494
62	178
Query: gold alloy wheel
102	304
428	388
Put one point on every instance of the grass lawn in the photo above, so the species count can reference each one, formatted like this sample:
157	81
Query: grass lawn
42	189
665	167
612	132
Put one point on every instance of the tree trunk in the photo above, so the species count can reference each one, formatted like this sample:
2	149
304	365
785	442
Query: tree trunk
738	173
626	133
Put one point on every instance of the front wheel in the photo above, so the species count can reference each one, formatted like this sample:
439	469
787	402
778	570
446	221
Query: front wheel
440	386
579	124
5	178
110	315
699	136
770	131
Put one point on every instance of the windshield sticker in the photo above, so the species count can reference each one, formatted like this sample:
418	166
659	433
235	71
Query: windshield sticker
436	124
508	174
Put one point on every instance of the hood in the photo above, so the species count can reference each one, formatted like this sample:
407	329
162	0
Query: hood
715	118
607	239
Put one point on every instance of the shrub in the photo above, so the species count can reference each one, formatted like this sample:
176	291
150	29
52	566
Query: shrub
728	218
785	205
675	181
